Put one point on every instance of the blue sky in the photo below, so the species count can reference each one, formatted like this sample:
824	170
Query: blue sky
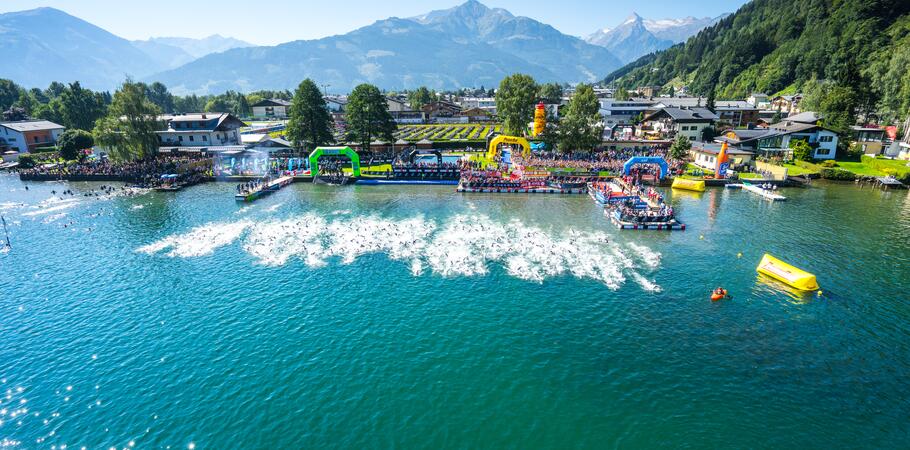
269	22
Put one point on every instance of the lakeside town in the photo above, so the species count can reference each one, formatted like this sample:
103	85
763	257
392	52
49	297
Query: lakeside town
454	224
767	139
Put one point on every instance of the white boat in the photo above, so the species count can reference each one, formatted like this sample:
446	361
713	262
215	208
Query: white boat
766	193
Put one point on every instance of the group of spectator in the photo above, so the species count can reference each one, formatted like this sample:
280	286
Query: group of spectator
144	172
606	160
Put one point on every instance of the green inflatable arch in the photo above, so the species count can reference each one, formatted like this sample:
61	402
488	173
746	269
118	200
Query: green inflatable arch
346	151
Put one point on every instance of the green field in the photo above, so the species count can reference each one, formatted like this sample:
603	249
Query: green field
446	132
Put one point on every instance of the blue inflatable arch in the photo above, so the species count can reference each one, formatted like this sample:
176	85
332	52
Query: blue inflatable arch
664	168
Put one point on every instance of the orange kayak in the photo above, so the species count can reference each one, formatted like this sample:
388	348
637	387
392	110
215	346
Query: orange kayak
715	297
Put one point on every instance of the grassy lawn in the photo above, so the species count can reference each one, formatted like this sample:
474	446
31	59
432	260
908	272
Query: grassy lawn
377	168
750	176
860	168
794	170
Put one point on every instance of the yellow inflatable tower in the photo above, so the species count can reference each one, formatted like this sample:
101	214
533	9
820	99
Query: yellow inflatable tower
540	119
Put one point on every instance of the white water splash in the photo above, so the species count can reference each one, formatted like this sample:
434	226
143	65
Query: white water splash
462	246
273	208
200	241
651	258
6	206
53	218
45	208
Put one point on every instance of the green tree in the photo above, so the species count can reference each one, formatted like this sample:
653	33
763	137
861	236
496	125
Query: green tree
367	115
310	124
680	148
515	100
709	102
218	104
52	111
159	95
580	127
550	93
80	107
26	102
129	128
708	133
9	93
72	142
622	94
190	103
835	102
54	89
420	97
802	151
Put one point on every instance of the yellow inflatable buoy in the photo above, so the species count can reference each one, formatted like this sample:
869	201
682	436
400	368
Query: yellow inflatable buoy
739	255
701	236
789	275
689	185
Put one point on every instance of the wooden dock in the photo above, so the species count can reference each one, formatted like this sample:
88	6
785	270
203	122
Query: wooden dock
764	193
264	189
890	183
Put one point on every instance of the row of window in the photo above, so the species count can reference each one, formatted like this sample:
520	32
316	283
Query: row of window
188	125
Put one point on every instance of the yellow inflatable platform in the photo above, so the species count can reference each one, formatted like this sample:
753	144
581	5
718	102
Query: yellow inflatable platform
789	275
689	185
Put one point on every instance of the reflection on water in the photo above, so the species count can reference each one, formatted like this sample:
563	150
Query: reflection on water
419	317
765	285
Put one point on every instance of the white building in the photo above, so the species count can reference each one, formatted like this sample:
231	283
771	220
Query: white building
622	112
487	104
803	126
759	100
24	136
271	108
669	123
200	130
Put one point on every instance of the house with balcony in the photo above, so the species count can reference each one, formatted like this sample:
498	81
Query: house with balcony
272	108
787	104
622	112
871	140
804	126
669	123
200	130
733	113
24	136
485	103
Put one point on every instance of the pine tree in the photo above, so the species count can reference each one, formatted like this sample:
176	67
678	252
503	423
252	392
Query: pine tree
367	115
310	125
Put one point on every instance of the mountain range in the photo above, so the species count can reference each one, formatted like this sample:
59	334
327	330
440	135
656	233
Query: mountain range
45	44
636	37
173	52
844	55
467	45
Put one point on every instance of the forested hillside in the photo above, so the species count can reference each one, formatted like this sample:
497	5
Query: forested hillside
847	55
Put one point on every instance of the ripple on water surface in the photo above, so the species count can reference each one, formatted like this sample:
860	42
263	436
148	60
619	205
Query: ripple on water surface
462	245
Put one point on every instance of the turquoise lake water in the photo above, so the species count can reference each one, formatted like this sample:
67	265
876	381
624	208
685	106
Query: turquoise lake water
415	317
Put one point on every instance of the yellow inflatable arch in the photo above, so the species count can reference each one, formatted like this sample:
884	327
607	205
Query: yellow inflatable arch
512	140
